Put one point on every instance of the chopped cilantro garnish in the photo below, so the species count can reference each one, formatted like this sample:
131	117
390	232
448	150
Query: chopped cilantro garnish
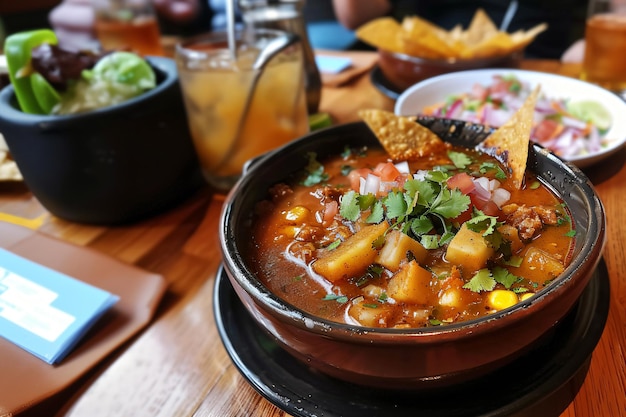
487	167
346	169
349	207
481	281
504	277
459	159
315	171
341	299
370	305
377	214
514	261
571	233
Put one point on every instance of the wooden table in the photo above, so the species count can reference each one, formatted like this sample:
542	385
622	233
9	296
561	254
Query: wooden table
178	367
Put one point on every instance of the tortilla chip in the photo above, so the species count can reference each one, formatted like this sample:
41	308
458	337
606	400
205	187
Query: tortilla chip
383	33
401	136
510	142
418	37
481	28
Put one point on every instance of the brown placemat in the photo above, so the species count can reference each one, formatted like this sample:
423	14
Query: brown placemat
361	63
26	380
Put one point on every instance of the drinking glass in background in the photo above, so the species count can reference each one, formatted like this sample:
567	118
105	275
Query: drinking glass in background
232	120
128	25
605	45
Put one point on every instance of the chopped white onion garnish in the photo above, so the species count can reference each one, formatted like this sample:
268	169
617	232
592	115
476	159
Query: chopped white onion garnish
500	196
403	167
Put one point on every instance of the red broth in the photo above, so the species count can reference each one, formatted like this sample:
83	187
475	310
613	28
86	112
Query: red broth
362	271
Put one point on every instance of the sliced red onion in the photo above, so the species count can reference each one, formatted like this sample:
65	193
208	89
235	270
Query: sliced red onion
481	189
572	122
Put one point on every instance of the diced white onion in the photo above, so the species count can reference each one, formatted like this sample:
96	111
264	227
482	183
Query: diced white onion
372	184
500	196
403	167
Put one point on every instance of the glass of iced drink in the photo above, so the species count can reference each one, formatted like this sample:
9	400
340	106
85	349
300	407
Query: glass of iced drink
130	25
231	117
605	45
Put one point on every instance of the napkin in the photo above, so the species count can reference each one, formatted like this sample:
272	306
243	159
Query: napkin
44	311
139	294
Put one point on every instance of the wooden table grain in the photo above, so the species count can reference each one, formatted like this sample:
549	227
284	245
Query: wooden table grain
177	366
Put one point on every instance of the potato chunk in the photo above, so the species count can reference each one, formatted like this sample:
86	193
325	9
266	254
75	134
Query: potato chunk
411	284
469	250
352	257
397	246
538	262
371	314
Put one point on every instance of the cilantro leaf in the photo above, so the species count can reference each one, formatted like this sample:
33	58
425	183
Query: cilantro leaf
480	222
377	214
349	206
315	171
396	205
421	225
451	203
486	167
504	277
459	159
481	281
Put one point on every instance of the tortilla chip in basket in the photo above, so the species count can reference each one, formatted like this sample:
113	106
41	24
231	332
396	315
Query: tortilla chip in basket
401	136
384	32
509	142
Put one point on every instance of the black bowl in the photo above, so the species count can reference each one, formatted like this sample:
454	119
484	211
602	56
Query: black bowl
108	166
408	358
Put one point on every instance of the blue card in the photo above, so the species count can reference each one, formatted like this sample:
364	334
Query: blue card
44	311
332	64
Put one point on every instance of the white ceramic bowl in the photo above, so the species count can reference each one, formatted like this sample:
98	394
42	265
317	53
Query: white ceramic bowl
437	89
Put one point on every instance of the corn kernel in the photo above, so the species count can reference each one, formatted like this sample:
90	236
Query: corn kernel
526	296
297	214
501	299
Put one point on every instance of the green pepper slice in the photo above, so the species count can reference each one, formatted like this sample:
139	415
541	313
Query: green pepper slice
34	93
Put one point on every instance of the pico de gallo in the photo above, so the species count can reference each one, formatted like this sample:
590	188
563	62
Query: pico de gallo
568	128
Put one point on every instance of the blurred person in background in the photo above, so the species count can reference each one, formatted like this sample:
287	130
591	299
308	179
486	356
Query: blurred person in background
565	18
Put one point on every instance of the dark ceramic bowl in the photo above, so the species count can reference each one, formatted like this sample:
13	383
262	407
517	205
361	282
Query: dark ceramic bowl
409	358
402	70
107	166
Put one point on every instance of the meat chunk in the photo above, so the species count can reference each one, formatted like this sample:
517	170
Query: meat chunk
529	220
280	190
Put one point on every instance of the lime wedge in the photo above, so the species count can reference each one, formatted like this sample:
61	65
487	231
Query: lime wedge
319	121
591	111
126	68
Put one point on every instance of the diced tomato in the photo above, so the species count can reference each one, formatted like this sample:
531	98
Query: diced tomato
490	209
330	211
479	92
546	130
462	181
355	177
387	171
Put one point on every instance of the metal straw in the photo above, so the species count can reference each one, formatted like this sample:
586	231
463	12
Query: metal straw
230	16
508	15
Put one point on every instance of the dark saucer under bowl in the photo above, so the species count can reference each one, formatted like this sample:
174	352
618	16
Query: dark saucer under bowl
540	383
